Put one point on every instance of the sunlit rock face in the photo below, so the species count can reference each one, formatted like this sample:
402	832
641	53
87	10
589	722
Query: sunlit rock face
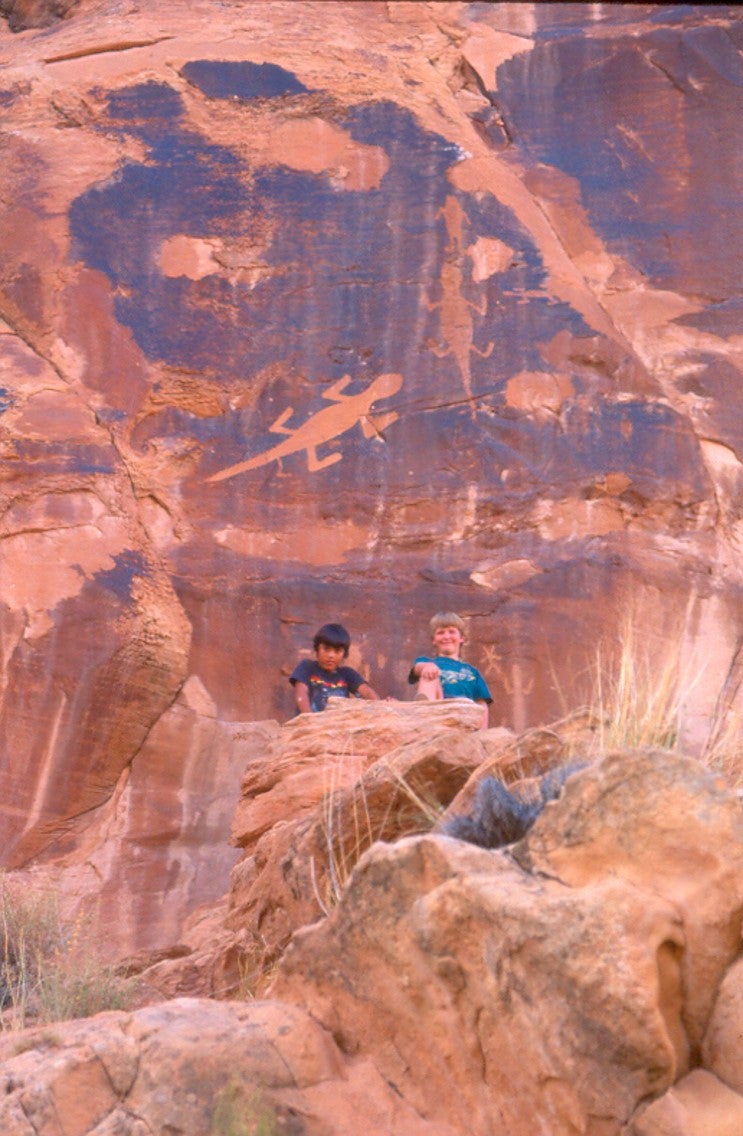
324	311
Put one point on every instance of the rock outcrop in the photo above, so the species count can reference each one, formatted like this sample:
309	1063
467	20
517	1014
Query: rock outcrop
195	1067
585	979
553	996
137	867
328	787
315	310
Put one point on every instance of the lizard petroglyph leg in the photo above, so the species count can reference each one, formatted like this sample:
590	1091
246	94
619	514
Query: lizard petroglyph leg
333	393
314	462
278	426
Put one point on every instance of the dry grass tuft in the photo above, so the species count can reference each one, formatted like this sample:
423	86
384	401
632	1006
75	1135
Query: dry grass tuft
352	821
48	970
640	696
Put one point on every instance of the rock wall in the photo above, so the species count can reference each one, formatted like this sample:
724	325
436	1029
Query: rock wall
318	310
585	979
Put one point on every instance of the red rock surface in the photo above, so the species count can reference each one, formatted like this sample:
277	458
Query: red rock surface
327	787
319	310
569	983
556	988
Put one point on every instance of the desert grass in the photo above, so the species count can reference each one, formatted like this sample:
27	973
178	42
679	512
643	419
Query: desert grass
639	693
352	821
641	690
48	969
352	825
255	969
723	751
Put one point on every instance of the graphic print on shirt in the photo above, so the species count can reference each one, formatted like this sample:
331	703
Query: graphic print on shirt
321	689
458	679
322	685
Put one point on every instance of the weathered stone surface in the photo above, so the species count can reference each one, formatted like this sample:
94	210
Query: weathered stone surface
24	14
452	990
95	641
319	754
686	845
521	760
314	310
368	771
194	1067
699	1105
324	788
540	997
722	1049
158	850
493	963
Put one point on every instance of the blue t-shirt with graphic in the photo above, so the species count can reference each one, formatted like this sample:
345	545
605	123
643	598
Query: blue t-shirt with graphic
458	679
322	684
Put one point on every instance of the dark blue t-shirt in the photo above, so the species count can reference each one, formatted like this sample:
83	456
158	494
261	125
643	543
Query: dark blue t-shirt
458	679
323	684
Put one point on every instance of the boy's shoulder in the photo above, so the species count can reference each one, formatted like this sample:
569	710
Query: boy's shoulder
304	667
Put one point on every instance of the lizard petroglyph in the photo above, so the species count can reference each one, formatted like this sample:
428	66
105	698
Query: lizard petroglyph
347	411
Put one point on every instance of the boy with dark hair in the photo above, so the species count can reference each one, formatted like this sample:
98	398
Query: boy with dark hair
445	675
316	680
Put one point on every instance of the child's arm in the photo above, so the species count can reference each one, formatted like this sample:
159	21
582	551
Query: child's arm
302	697
425	669
365	691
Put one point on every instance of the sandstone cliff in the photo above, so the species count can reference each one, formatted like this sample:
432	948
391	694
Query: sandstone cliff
359	310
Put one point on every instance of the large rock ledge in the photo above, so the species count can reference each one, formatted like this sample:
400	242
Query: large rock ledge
584	980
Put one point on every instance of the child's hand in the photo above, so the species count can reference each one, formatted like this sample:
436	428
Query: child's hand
429	671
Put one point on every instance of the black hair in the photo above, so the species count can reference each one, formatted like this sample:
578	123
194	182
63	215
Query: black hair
334	635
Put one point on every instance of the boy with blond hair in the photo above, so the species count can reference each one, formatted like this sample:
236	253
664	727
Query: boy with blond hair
443	674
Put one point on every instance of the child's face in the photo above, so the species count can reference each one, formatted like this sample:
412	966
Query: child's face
329	658
448	641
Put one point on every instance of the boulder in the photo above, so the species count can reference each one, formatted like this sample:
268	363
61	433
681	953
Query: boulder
551	986
194	1066
721	1052
548	985
662	823
334	784
698	1105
